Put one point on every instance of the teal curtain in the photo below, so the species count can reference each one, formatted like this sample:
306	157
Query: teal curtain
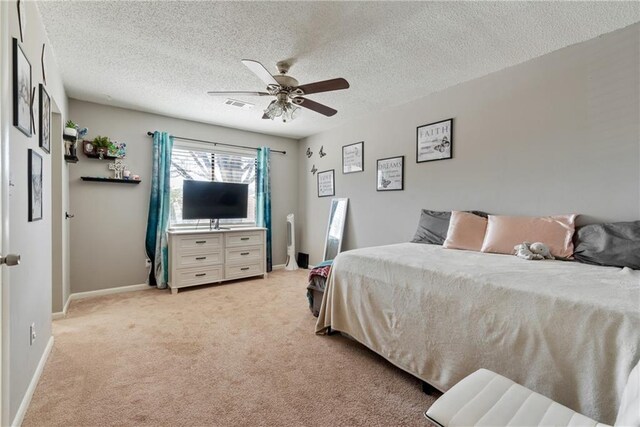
263	198
156	243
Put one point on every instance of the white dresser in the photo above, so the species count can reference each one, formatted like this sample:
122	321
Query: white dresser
198	257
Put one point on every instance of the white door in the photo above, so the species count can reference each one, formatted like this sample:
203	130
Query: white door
6	260
4	416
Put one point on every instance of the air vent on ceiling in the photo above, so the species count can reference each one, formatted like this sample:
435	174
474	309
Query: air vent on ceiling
238	104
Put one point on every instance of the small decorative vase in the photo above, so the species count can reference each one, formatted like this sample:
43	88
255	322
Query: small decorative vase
72	132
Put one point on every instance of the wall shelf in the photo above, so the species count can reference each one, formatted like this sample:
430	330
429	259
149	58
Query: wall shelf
119	181
104	157
71	159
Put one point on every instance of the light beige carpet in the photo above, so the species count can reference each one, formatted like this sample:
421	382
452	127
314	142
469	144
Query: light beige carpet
242	353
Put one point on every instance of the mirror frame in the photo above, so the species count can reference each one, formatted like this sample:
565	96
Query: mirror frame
326	235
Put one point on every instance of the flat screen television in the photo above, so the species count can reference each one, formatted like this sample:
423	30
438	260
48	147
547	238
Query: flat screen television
214	200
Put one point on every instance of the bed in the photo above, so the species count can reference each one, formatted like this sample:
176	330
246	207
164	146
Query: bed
567	330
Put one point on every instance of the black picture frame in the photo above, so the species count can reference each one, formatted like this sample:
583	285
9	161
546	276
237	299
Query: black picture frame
319	176
44	121
434	145
381	185
35	187
21	18
22	112
359	152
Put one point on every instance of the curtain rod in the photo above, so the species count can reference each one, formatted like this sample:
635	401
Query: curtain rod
219	143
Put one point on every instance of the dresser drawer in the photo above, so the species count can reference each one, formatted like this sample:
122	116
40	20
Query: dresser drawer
197	276
203	242
243	270
246	238
243	254
199	259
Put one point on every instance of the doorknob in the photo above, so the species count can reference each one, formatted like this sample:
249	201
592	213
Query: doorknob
10	260
67	216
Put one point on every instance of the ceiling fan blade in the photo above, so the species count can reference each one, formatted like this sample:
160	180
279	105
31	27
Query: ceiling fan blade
324	86
229	93
315	106
260	71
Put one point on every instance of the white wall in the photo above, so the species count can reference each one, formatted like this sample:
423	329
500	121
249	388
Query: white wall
108	231
557	134
29	286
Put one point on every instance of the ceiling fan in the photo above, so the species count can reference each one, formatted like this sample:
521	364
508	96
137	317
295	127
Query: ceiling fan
289	94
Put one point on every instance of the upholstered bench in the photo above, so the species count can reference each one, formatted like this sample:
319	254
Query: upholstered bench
485	398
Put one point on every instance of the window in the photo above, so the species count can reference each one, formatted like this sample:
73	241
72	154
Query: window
205	163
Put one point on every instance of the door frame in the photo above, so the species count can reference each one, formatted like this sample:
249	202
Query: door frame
59	224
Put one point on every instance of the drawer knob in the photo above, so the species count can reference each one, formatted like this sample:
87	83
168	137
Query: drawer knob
201	257
244	253
199	242
244	238
201	274
244	268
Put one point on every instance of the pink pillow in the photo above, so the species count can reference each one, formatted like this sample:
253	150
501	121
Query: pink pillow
466	231
504	232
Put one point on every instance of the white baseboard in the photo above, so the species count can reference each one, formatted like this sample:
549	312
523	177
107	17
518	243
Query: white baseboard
62	314
26	400
100	292
109	291
282	267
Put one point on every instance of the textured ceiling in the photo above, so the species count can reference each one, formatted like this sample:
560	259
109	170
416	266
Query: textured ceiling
163	56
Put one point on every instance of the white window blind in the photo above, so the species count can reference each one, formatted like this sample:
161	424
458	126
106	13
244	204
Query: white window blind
205	163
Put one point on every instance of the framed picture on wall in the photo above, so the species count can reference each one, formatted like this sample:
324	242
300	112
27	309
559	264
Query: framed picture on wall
44	121
21	89
353	158
434	141
326	183
22	18
390	174
35	185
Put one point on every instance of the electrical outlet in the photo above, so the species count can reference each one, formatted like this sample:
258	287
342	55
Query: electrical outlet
32	333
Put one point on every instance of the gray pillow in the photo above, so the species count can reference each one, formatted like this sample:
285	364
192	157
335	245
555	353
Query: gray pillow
614	244
433	226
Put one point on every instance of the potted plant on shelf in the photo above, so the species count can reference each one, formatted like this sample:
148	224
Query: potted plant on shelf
70	131
101	144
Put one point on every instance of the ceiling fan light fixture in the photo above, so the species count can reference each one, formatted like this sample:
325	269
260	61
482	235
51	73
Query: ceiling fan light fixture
282	108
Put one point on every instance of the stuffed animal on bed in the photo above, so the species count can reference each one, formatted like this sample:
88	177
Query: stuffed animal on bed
532	251
541	249
522	251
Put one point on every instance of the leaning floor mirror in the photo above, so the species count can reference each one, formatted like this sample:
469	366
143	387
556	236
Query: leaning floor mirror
335	228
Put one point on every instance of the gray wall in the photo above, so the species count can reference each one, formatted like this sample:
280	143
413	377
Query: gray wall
28	286
108	231
554	135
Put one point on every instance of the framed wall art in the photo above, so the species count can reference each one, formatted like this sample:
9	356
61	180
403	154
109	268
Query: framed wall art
353	157
22	18
390	174
44	120
35	186
434	141
326	183
21	89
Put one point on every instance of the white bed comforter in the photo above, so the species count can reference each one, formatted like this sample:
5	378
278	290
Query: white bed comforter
567	330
